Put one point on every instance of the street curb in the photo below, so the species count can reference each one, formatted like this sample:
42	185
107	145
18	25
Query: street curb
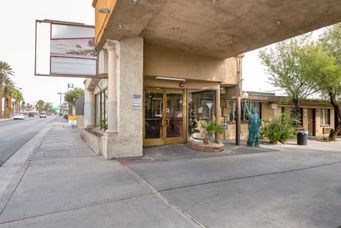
14	182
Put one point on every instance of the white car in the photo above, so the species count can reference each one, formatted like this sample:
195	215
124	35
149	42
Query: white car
19	117
42	115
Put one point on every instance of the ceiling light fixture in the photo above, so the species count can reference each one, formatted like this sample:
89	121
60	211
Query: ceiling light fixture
135	2
104	10
278	22
170	79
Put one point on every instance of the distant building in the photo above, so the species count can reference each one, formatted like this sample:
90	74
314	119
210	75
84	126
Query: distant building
316	116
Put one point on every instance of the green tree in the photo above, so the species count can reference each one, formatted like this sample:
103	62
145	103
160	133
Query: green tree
40	105
5	73
330	86
73	95
286	66
48	107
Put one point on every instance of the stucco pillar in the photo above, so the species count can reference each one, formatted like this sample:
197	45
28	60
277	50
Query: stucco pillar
112	87
128	141
88	108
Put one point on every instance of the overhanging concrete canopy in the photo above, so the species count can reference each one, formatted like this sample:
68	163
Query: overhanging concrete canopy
218	28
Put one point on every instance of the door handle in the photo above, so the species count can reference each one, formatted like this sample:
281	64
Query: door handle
167	121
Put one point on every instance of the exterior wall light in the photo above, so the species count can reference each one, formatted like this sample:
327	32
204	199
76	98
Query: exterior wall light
134	2
171	79
245	95
104	10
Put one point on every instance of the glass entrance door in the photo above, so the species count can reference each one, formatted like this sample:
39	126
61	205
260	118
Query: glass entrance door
164	117
153	117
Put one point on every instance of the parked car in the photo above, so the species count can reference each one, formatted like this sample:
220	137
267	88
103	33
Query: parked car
19	116
30	114
42	115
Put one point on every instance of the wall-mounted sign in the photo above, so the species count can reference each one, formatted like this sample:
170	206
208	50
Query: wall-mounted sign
137	102
65	49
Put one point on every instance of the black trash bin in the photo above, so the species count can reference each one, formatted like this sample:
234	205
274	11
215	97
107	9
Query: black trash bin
302	138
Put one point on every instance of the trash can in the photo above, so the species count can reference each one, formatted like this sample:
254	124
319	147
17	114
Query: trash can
302	138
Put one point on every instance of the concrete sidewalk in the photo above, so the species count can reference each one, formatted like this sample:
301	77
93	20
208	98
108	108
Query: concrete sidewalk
66	185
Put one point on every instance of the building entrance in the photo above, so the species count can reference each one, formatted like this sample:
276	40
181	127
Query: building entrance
164	116
311	121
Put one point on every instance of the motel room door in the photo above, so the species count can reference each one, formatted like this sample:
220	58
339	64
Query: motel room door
164	117
311	122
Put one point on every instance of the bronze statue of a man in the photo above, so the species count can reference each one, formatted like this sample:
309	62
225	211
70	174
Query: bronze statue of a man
254	124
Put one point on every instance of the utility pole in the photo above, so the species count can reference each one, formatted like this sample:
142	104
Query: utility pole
238	98
60	102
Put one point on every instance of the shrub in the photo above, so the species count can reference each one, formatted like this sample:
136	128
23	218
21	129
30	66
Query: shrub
103	125
212	129
279	129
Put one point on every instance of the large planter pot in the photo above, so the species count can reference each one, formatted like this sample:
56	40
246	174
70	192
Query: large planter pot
206	140
218	137
211	137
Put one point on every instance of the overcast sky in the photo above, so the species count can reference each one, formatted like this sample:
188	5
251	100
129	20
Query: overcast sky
17	21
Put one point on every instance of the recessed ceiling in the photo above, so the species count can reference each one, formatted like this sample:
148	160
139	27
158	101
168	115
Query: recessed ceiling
221	28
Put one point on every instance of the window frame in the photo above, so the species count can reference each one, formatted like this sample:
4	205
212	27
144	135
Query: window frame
232	105
101	97
324	121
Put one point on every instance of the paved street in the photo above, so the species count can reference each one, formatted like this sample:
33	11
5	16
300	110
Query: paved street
65	184
15	133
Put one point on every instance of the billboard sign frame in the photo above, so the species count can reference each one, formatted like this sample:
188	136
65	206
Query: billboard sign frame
63	23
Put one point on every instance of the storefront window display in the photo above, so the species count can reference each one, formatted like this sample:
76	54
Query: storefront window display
202	106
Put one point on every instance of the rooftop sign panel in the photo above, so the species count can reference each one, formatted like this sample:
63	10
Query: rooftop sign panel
65	49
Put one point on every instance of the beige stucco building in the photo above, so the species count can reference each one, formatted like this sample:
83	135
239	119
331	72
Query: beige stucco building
316	116
163	64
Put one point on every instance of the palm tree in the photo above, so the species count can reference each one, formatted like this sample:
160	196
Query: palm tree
5	72
9	91
18	96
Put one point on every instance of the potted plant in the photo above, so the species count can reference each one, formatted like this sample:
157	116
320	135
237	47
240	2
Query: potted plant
218	130
212	131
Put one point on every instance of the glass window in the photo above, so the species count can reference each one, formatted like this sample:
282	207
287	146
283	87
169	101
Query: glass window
325	117
202	106
229	109
153	115
101	107
97	109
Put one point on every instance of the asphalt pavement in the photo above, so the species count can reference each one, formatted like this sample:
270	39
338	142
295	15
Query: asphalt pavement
15	133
